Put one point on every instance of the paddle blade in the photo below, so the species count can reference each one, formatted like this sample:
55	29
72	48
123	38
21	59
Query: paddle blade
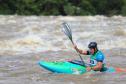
67	27
67	30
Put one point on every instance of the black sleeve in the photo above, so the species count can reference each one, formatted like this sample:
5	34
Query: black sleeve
88	52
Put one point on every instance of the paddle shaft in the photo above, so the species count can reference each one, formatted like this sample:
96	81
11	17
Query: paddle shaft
78	54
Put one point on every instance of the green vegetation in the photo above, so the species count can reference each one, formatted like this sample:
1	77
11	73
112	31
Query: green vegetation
63	7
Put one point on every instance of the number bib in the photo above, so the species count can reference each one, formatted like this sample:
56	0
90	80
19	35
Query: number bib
93	62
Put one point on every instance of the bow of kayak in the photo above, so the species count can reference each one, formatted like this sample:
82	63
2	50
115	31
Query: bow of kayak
63	67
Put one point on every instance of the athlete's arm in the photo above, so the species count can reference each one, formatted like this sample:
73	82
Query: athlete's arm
98	66
80	51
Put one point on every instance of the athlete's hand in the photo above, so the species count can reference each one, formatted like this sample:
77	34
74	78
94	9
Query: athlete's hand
75	46
88	68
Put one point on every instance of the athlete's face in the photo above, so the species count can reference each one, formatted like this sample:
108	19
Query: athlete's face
92	51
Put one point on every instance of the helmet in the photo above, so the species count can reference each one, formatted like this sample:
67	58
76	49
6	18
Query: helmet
92	45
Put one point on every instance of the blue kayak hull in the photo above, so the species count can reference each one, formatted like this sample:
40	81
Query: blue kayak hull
68	67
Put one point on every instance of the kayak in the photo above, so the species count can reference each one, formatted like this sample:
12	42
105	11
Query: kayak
67	67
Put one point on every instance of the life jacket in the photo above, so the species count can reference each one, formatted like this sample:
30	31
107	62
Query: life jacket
97	57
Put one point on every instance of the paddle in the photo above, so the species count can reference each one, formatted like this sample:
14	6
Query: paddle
68	33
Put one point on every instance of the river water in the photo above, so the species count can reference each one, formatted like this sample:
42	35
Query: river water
24	40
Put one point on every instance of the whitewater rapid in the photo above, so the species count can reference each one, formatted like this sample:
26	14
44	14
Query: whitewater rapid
26	34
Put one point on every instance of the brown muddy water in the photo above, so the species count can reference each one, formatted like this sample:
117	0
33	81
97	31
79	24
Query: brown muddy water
24	40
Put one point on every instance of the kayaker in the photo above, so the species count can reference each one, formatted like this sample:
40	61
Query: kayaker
96	57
